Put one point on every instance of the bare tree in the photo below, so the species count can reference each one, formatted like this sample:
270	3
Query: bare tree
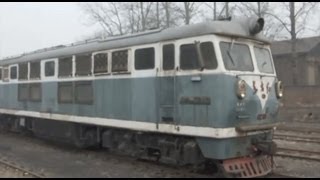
259	9
166	6
145	11
133	20
213	7
227	9
188	8
289	17
188	11
223	10
158	16
288	20
171	14
107	15
214	10
118	18
295	22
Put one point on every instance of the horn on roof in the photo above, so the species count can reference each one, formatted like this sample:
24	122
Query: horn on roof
256	25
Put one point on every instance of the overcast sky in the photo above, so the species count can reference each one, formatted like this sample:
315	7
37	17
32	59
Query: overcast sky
30	26
26	27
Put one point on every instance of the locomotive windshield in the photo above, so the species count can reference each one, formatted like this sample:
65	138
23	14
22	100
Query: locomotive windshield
236	56
264	61
189	58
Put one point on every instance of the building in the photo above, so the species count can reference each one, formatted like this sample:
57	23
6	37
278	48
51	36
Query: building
299	70
301	67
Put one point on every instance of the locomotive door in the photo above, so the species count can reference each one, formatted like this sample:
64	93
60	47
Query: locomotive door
167	79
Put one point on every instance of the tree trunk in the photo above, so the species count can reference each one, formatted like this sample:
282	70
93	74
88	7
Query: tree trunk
227	9
131	18
158	18
143	20
293	40
187	10
293	22
214	11
259	9
167	14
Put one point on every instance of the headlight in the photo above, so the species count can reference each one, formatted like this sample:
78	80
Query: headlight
241	89
279	89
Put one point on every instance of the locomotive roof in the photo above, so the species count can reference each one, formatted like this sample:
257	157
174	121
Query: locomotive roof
237	28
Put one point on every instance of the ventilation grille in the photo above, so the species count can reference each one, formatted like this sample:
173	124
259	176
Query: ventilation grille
248	167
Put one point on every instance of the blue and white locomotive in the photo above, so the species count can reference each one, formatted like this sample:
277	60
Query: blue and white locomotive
187	95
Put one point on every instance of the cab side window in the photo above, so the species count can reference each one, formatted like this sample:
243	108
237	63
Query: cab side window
144	58
100	63
35	70
23	71
5	74
49	68
189	57
120	61
13	72
65	67
168	57
208	55
83	65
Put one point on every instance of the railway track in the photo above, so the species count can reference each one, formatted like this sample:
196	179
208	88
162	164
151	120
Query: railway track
277	175
22	169
306	122
297	138
299	129
300	142
298	154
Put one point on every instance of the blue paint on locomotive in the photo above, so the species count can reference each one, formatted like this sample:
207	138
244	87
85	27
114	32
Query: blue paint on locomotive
139	99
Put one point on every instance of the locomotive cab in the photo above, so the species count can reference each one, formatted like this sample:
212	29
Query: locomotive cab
256	94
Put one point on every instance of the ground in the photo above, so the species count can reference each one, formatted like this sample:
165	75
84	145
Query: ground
305	136
57	160
54	160
297	167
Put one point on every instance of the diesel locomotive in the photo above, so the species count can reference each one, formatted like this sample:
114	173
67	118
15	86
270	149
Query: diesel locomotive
198	94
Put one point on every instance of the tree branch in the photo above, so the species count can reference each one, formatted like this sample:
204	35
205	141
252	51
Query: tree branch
282	22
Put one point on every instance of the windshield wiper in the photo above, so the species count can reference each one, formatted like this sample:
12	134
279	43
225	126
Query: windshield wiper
199	53
264	63
229	52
